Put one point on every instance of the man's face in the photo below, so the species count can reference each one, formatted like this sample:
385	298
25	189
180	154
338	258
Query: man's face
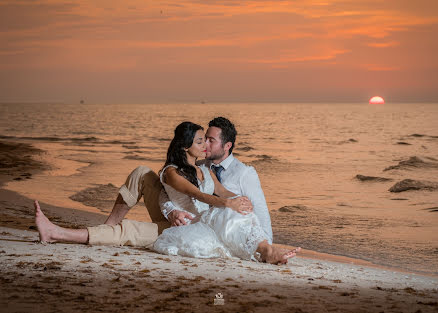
215	147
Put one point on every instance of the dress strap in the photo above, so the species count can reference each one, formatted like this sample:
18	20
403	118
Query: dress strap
205	171
164	169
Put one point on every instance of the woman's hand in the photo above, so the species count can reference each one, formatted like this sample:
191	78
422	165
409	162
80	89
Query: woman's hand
240	204
177	217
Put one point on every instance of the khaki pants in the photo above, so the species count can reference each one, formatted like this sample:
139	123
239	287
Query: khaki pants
142	182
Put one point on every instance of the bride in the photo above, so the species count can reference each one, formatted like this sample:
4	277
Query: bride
222	223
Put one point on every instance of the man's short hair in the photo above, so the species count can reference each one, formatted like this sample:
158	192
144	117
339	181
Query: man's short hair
228	133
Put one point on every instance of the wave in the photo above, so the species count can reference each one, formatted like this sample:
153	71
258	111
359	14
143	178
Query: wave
434	209
263	162
372	178
138	148
32	138
46	138
161	139
422	135
411	184
140	158
131	147
86	139
90	139
263	157
244	149
415	162
119	142
351	140
293	208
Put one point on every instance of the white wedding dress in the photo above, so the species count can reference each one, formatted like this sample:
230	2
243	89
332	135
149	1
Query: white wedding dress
213	232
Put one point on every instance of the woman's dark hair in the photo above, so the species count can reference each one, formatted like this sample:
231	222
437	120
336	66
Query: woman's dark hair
228	133
184	135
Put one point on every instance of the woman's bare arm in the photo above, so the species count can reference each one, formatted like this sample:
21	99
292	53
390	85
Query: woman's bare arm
179	183
219	189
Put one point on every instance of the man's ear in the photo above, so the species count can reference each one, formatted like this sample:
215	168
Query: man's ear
227	146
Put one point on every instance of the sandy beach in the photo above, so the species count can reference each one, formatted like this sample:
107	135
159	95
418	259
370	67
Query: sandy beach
69	277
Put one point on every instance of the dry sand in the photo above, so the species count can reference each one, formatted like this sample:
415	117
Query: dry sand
70	277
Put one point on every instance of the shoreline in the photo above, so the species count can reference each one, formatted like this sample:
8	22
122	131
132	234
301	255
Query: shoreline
25	164
68	277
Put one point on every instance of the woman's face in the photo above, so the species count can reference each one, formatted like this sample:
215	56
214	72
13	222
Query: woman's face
198	148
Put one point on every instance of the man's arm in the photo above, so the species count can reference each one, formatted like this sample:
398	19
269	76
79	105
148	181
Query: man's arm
251	188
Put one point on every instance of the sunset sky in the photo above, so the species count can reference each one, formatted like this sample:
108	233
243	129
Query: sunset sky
218	51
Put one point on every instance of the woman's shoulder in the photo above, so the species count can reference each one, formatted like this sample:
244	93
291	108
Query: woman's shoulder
170	168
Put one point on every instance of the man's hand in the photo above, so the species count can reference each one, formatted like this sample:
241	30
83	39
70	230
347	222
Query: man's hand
176	217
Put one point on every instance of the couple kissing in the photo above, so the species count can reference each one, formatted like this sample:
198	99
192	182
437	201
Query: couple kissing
213	203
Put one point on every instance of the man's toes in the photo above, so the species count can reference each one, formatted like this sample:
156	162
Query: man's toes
37	207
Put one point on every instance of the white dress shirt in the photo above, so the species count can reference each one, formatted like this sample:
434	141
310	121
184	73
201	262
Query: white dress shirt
240	179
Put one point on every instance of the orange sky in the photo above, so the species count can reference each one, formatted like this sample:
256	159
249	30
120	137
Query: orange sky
172	51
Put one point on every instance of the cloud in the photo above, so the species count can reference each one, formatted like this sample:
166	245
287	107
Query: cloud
380	68
137	36
25	15
331	55
383	44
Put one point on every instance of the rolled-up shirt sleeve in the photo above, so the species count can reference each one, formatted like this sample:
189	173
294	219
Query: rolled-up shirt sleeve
251	188
166	205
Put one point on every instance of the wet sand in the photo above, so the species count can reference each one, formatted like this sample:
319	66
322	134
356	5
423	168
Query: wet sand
21	161
69	277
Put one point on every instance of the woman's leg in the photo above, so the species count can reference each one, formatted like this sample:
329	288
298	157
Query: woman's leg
243	236
50	232
275	255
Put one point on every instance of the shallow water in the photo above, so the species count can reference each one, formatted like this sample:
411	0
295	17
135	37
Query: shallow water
307	155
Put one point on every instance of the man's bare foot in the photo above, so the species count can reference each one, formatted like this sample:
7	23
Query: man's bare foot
46	228
276	255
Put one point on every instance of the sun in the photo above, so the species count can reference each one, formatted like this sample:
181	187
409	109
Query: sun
377	100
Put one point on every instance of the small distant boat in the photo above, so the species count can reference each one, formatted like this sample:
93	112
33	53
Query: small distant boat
202	102
82	101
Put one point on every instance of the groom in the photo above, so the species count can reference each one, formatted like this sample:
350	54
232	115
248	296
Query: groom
233	174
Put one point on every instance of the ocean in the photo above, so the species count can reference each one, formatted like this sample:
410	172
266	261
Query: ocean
307	156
